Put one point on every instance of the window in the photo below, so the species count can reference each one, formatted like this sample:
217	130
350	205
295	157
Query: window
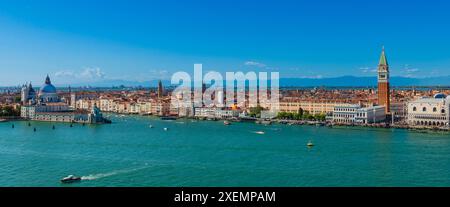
424	109
414	109
443	111
434	109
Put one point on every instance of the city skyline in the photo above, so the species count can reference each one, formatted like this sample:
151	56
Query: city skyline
89	46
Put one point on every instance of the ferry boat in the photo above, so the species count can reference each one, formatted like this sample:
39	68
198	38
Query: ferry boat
70	179
226	123
168	118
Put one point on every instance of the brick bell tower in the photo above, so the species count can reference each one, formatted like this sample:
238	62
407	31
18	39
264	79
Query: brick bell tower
383	82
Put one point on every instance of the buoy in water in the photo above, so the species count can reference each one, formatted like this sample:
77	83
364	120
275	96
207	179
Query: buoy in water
29	124
34	129
53	127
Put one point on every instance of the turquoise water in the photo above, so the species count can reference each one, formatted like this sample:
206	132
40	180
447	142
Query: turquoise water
130	153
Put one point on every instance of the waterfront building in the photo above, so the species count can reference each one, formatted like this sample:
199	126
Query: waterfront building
383	83
216	113
398	111
106	104
205	112
184	111
429	112
370	115
145	107
49	107
160	107
226	113
355	114
74	97
345	113
312	107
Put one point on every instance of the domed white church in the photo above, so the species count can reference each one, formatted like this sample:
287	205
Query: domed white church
47	93
47	106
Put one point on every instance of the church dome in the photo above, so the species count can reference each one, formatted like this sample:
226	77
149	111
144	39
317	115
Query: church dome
47	87
440	96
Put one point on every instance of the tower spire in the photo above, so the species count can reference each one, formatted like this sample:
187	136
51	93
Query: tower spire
47	80
383	59
383	82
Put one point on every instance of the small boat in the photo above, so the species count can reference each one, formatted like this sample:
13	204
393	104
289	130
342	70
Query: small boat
71	179
226	123
168	118
260	132
166	129
310	144
53	127
150	126
29	124
12	126
34	129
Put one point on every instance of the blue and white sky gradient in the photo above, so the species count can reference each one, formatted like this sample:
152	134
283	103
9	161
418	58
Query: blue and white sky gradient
92	40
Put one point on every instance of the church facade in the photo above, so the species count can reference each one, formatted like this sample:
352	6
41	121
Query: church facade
47	106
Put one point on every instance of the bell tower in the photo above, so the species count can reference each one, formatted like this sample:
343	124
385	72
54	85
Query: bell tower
383	82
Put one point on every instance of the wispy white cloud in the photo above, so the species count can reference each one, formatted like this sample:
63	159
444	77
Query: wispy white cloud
410	72
254	63
86	74
92	73
312	77
64	73
159	74
368	69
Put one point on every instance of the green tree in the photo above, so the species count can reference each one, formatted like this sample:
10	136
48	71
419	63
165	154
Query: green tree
9	111
256	111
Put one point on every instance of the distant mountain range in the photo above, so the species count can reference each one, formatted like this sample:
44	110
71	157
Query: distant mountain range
351	81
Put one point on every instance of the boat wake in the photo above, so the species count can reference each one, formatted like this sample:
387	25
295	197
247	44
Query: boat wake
116	172
259	132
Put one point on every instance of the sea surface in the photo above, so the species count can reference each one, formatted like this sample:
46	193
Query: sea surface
206	153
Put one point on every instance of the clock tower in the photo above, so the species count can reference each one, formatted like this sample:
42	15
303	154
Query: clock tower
383	82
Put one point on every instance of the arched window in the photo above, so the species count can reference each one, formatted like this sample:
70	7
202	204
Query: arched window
414	109
434	109
443	111
424	109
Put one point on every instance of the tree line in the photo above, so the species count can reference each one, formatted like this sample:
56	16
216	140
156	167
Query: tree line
9	111
301	115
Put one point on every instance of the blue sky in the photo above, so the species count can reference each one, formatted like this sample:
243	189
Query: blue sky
88	41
